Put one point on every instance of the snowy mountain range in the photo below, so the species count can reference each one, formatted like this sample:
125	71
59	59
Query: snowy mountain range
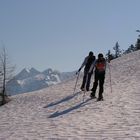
31	79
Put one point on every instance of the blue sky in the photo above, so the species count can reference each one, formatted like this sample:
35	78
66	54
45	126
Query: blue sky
60	33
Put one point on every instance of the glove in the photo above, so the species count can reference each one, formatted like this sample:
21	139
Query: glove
78	71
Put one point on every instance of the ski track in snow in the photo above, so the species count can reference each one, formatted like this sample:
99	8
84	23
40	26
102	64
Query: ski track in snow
56	113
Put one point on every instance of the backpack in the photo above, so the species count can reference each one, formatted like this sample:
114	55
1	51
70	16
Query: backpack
100	65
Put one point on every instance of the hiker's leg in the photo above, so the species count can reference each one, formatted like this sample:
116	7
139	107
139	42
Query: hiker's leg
101	86
88	81
95	84
84	79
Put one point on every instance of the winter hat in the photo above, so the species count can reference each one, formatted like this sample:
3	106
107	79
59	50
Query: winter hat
100	55
90	53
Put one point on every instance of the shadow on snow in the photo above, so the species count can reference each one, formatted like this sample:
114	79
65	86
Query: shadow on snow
62	100
57	114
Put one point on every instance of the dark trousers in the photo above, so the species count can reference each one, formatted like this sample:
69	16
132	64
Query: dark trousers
86	80
99	78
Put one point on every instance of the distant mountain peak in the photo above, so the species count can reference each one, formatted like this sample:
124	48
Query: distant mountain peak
29	70
30	79
48	71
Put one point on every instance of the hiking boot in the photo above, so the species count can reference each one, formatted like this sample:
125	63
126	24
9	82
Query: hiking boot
93	93
82	89
100	99
92	96
87	89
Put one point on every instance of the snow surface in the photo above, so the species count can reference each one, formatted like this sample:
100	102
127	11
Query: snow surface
56	113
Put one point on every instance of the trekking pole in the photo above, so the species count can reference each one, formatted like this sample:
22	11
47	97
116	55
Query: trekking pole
76	82
110	77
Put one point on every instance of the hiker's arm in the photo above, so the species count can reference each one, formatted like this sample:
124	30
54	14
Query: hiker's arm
83	64
92	66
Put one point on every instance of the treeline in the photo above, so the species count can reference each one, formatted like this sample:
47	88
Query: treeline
119	52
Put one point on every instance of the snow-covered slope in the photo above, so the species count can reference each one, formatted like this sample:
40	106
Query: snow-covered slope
56	113
30	80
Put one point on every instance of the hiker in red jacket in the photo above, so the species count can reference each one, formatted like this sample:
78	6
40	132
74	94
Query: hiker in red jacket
100	67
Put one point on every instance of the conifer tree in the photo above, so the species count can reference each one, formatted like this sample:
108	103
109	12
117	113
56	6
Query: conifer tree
117	50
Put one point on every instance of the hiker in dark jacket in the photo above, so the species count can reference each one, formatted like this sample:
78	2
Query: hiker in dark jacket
87	76
100	67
